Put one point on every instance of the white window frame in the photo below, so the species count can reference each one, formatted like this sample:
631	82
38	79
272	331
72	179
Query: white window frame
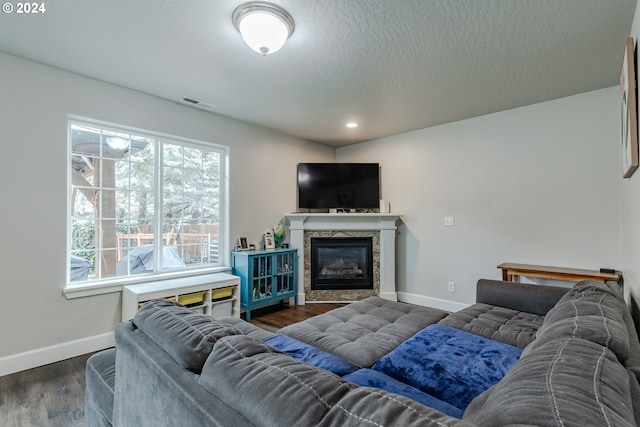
114	284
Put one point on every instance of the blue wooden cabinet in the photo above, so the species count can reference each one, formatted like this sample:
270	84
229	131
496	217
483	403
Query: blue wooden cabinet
266	276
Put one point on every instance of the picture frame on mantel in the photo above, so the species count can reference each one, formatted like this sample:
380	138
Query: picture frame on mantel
629	112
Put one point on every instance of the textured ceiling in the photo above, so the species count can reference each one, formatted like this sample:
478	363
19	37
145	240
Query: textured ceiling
392	66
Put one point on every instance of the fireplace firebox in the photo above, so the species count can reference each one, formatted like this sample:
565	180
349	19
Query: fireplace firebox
341	263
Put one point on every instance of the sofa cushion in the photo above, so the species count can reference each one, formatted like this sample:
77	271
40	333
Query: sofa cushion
248	329
571	382
370	378
591	311
101	382
591	288
187	336
270	388
265	384
368	407
449	364
509	326
536	299
364	331
312	355
576	322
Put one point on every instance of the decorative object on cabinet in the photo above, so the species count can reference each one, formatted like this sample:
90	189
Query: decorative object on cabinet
266	277
278	234
269	242
629	112
242	244
213	294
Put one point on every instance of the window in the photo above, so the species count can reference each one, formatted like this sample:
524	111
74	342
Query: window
142	203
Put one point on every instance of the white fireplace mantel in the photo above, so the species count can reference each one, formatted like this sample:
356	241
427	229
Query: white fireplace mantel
385	223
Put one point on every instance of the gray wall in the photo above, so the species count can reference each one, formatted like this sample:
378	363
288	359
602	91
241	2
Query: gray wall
37	323
537	185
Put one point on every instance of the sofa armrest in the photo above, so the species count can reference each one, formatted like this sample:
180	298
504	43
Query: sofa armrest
537	299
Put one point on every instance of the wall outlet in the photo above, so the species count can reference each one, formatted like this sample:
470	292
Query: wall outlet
449	221
451	287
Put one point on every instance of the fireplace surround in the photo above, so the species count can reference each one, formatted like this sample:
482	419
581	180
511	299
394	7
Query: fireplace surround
381	227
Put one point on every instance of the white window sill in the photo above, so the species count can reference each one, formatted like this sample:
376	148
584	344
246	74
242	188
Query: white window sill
88	289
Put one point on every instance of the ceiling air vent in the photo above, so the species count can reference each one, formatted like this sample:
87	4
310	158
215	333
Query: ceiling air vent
188	100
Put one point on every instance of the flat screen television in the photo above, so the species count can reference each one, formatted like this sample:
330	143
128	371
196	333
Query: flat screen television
338	185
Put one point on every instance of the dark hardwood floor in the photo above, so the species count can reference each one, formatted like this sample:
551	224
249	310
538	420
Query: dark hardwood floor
53	395
278	316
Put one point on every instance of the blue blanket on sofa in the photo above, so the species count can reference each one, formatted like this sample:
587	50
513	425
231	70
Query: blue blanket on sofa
364	377
312	355
376	379
452	365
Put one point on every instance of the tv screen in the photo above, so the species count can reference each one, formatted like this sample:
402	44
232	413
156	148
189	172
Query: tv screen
338	185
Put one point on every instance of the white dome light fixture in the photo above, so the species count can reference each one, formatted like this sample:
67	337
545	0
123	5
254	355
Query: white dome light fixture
264	26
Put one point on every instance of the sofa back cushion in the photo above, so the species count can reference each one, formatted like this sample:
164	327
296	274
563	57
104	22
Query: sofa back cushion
538	299
572	382
370	407
261	382
187	336
591	310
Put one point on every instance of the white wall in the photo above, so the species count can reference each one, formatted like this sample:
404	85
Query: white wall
37	323
630	220
538	185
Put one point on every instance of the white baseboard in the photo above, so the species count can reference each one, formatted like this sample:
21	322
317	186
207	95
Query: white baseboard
55	353
438	303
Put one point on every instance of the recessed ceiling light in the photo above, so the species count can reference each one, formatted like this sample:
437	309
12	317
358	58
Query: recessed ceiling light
352	125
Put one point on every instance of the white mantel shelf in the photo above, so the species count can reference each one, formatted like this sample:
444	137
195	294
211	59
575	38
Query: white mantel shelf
383	222
343	221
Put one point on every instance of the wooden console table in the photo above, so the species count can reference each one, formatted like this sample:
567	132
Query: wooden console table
511	272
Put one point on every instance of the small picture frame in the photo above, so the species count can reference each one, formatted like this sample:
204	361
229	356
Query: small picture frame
269	241
243	244
252	247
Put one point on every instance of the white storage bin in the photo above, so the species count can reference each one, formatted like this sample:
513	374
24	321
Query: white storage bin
221	309
200	310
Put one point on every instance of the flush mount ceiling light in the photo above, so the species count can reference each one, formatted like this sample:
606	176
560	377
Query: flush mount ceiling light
264	26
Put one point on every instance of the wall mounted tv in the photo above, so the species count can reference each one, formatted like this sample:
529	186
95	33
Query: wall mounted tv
338	185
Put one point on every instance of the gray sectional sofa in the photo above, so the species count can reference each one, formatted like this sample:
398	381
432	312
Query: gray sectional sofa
522	355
